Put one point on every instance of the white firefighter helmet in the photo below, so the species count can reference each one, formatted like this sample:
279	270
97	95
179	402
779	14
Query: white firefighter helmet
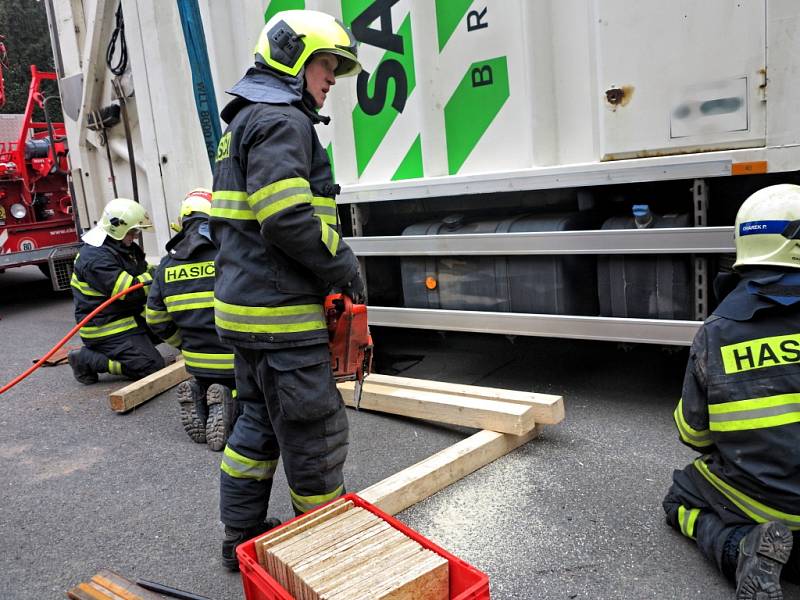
767	228
118	218
196	201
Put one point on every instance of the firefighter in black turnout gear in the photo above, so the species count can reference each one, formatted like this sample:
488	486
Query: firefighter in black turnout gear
180	310
740	407
274	220
116	340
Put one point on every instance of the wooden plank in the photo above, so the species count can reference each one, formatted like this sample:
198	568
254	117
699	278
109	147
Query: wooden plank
84	591
548	408
285	556
479	413
307	521
364	563
316	561
329	572
278	557
123	587
106	592
417	482
430	579
141	391
382	562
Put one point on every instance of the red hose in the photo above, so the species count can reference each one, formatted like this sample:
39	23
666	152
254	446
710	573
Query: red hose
66	338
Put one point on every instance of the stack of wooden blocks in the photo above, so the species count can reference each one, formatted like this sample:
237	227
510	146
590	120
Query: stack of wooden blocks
344	552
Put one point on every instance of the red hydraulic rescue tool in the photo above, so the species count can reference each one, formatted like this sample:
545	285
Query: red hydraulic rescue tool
350	342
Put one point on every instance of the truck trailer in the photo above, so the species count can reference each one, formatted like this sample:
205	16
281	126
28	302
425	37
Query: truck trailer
560	168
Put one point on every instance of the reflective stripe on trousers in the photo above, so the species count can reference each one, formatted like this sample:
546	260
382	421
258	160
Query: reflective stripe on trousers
239	466
303	504
758	511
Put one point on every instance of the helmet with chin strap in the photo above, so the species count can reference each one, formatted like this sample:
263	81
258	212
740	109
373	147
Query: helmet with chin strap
119	217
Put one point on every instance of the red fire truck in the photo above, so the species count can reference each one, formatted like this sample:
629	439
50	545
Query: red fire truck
37	222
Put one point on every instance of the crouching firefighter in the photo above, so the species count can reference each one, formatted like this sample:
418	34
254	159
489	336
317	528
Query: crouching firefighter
740	407
274	220
116	340
180	310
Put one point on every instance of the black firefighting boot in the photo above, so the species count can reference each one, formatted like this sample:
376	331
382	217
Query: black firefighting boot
222	413
234	537
193	410
762	554
80	370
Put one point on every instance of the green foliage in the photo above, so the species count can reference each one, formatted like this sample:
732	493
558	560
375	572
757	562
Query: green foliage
27	41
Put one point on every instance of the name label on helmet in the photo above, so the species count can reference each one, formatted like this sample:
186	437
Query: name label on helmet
190	271
753	227
761	353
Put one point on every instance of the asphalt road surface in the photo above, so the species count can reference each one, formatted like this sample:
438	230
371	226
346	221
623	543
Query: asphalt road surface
574	514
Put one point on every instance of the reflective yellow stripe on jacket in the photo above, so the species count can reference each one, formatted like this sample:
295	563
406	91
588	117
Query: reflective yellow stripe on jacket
758	511
190	301
325	210
229	204
688	434
124	280
175	340
275	197
156	317
687	518
329	237
112	328
204	360
757	413
267	319
83	287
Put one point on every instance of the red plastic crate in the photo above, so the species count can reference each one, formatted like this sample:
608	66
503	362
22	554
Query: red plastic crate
466	582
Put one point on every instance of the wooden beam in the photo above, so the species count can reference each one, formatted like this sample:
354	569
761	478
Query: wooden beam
548	408
479	413
417	482
148	387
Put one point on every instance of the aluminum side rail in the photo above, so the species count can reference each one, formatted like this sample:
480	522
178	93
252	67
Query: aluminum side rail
682	240
650	331
715	164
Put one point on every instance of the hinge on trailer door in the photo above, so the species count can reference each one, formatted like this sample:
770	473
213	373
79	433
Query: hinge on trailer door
762	88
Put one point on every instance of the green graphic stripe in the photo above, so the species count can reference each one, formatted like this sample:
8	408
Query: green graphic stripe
279	5
411	167
352	8
370	130
473	106
329	152
448	15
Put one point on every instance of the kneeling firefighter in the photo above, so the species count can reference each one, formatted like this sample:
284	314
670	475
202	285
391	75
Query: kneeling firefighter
180	310
116	340
740	501
275	222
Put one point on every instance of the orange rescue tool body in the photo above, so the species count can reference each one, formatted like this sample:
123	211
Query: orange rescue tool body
350	342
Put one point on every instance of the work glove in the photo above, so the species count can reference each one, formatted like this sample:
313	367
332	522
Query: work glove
355	289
